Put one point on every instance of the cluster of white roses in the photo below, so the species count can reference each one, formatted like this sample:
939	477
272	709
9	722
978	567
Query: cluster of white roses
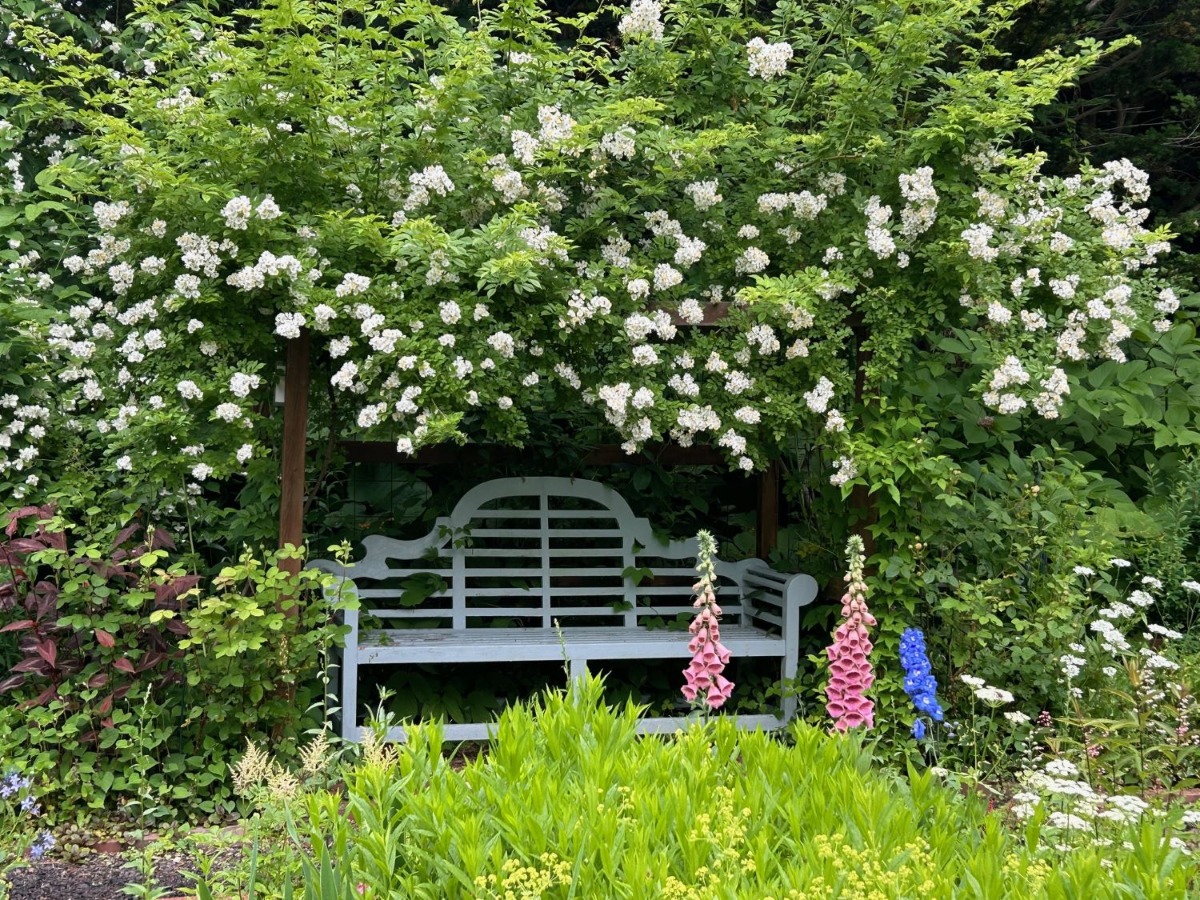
1093	313
415	360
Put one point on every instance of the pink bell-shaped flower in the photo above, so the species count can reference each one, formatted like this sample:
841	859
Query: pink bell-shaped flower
850	672
703	681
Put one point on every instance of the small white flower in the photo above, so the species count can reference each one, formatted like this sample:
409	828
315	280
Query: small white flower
994	695
846	471
189	391
227	412
1061	768
288	325
1162	631
237	213
352	284
450	312
1067	821
703	194
666	277
751	261
767	61
268	209
1141	598
241	384
642	22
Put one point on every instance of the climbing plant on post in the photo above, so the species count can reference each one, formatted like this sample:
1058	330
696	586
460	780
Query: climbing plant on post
472	224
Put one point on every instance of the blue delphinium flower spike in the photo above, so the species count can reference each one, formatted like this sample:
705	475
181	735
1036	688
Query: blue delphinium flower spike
919	683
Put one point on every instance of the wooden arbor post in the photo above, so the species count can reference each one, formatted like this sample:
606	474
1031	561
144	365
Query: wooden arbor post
292	454
767	521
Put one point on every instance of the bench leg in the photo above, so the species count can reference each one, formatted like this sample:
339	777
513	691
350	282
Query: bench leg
579	669
349	698
787	676
350	692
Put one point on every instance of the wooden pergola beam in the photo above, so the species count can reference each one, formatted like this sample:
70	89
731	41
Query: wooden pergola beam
669	455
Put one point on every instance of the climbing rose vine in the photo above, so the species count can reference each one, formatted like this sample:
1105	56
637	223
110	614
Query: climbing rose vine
473	225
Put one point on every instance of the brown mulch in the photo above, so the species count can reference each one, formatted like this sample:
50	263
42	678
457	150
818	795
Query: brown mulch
100	877
466	753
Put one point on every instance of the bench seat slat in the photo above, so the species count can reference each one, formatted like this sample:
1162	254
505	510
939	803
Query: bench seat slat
529	644
498	612
590	590
597	590
486	514
475	572
535	552
574	637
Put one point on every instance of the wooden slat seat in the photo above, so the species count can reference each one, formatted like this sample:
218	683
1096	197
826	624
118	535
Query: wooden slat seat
543	569
447	645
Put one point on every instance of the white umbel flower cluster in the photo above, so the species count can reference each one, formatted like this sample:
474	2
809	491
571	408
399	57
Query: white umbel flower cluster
920	212
879	239
819	397
751	261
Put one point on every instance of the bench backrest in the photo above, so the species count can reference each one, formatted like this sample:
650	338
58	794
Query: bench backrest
533	551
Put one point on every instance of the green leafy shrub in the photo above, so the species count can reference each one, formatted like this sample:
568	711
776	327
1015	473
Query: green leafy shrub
977	549
256	640
568	801
132	679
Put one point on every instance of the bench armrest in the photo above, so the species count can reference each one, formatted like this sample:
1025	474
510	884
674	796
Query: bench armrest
800	591
336	590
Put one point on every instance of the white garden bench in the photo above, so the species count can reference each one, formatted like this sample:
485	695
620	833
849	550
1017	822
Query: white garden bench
531	569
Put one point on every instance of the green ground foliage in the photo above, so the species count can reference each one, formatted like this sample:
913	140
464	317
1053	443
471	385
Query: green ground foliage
568	802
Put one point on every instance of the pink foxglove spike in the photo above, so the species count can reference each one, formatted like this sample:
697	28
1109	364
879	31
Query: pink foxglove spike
703	680
850	671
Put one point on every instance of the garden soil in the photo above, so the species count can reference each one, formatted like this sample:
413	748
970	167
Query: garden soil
100	877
